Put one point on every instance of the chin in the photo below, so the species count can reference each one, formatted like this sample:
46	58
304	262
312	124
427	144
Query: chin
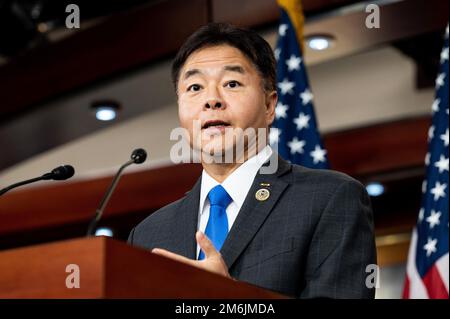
218	152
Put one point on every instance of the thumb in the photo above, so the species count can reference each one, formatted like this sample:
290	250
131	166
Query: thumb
206	245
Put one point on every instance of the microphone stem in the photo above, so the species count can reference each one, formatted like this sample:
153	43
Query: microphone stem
105	200
6	189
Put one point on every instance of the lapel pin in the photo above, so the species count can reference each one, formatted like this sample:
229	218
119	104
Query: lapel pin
264	184
262	194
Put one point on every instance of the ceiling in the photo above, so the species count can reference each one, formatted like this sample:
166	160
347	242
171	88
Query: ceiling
34	21
369	76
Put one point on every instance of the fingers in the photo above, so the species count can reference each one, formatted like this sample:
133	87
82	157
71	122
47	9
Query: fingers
173	256
213	261
206	245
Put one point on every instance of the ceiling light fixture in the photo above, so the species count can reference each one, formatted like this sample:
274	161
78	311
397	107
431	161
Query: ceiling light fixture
104	231
375	189
105	110
319	42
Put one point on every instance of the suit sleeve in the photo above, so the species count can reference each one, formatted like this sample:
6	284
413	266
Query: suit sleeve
342	246
130	237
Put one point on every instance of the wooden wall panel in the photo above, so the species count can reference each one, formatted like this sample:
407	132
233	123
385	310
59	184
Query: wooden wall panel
75	202
379	148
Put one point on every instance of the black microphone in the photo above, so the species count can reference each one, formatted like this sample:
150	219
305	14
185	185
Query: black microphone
137	157
58	174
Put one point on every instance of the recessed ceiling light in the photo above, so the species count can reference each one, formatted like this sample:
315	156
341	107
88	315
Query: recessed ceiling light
105	110
375	189
104	231
319	42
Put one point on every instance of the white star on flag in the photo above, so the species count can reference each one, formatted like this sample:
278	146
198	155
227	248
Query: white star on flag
440	80
296	146
435	106
293	63
282	29
286	86
277	53
421	214
280	110
438	190
431	132
424	186
444	137
306	96
302	121
427	159
444	55
274	135
430	246
442	164
318	154
433	219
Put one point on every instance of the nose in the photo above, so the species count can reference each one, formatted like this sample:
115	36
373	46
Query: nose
213	104
214	100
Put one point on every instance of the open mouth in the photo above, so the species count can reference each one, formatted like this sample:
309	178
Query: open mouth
215	124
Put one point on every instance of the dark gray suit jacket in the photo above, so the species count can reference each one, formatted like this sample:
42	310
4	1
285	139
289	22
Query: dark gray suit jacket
313	237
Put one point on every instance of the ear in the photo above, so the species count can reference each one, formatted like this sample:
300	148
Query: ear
271	102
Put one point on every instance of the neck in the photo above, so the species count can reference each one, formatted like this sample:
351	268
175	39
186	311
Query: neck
220	172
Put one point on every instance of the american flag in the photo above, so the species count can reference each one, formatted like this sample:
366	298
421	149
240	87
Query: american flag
428	267
294	132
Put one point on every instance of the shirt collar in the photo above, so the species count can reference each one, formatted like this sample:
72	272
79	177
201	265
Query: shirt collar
239	182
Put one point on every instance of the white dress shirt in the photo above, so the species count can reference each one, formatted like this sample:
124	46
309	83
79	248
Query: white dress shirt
237	186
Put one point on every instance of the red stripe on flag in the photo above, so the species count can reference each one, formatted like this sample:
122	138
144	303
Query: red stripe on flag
406	288
434	284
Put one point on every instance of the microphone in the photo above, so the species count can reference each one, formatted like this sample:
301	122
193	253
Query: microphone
137	157
58	174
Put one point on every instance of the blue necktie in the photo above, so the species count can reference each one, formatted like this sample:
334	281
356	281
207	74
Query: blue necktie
217	227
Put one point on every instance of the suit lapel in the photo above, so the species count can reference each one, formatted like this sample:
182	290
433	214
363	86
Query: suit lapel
253	213
187	223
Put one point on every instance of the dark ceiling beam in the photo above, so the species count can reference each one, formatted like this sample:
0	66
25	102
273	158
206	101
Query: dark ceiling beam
251	13
122	42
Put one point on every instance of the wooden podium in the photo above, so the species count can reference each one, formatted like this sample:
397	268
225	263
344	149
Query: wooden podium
110	269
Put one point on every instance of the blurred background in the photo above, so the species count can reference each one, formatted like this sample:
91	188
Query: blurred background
88	96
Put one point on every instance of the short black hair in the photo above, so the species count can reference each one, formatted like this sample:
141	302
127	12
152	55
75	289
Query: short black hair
250	43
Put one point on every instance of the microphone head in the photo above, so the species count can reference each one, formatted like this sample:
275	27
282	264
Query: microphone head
139	156
62	172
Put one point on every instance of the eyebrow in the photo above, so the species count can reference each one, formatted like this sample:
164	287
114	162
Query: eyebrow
235	68
190	73
231	68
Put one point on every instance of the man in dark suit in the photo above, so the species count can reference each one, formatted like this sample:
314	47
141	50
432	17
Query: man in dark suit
301	232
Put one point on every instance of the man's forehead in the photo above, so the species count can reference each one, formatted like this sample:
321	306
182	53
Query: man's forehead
222	57
225	68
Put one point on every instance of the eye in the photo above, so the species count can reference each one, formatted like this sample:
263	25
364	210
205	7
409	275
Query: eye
194	88
233	84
